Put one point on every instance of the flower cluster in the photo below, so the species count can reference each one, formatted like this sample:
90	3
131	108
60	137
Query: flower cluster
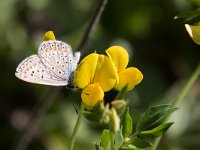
99	73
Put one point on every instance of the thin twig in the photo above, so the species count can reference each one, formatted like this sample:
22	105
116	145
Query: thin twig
48	97
28	133
92	24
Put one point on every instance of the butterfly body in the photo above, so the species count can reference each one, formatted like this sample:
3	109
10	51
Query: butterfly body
53	65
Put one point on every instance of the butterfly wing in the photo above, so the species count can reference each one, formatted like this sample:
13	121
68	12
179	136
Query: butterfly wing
58	57
73	60
33	70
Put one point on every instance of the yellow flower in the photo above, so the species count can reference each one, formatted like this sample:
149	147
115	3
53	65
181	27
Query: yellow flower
127	76
49	35
95	75
98	73
92	94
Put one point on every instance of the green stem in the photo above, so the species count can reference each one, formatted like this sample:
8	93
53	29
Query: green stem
180	98
187	87
112	145
134	134
78	122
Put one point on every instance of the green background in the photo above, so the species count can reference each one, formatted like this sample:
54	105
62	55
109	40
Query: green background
157	44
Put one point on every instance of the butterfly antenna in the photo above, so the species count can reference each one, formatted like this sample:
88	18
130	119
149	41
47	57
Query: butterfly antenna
75	108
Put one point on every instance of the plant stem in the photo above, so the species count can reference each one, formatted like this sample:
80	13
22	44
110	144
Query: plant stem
187	87
78	122
112	145
92	24
134	134
180	98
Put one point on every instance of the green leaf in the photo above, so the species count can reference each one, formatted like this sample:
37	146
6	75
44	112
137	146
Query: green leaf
119	139
188	15
129	147
95	113
140	143
105	138
156	132
92	116
153	116
122	93
98	147
127	124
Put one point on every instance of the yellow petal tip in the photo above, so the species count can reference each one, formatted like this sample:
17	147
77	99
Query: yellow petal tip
49	35
189	30
131	77
91	95
119	57
194	32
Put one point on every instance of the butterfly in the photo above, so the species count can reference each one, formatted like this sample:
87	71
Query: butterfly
54	64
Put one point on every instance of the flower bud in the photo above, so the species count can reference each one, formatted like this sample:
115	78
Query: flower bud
119	106
114	120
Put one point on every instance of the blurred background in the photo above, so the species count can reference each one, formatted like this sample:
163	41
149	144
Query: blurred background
158	45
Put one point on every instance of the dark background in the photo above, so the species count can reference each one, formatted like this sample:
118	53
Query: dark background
158	45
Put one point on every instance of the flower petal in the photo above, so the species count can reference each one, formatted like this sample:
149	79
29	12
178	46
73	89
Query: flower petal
105	74
119	57
130	76
85	71
194	32
92	94
49	36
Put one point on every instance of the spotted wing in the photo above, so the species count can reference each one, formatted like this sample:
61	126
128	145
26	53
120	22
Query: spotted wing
33	70
58	57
